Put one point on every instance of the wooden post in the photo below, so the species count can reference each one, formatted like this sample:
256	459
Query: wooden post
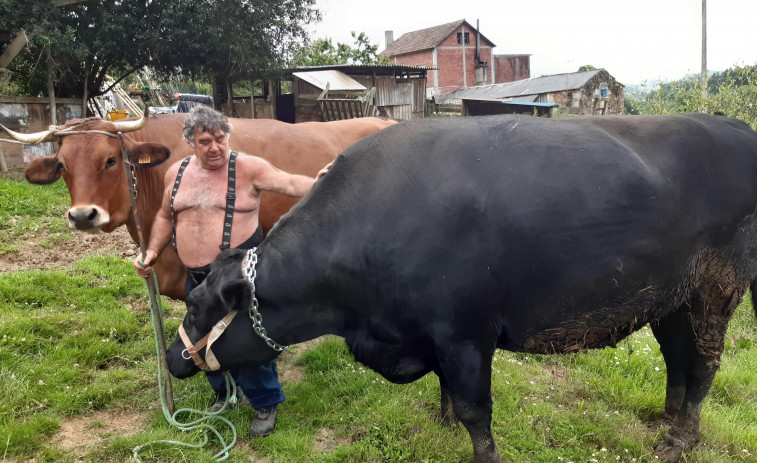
51	89
84	94
3	165
230	102
252	98
272	96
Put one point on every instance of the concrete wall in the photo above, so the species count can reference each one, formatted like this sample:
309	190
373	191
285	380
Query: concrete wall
28	115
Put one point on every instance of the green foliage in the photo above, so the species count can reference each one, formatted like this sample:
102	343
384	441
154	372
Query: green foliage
586	67
88	41
733	93
231	39
323	52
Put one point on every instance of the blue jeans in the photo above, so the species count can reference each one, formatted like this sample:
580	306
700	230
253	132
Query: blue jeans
260	384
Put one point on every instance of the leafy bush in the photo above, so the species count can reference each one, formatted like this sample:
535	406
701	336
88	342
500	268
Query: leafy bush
732	93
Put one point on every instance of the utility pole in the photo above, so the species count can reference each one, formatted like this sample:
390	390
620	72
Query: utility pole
704	49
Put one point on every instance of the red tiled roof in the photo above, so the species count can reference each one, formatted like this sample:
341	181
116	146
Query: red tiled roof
424	38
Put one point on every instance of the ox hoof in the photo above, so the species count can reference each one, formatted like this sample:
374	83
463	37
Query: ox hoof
671	448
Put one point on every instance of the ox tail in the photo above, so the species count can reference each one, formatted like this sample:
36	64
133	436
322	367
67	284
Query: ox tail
753	290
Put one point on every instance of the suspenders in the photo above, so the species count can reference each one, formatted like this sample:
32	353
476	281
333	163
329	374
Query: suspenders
231	196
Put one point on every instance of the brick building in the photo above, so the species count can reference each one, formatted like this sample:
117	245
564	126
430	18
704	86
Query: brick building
459	54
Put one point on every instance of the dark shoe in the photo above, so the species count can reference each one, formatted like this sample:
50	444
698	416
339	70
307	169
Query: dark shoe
234	402
263	421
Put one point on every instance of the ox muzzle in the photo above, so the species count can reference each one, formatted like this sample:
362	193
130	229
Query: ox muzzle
87	218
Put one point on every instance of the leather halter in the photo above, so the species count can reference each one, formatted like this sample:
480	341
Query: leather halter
210	363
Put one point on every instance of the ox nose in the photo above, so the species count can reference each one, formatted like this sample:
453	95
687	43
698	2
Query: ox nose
87	218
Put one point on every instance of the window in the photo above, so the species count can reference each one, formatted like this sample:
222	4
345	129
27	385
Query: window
463	36
603	90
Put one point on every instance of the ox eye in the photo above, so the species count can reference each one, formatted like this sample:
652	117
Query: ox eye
110	162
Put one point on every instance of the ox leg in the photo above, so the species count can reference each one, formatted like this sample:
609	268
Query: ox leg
466	373
447	412
691	341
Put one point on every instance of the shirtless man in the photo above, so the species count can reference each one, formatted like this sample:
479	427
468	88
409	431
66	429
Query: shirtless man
195	203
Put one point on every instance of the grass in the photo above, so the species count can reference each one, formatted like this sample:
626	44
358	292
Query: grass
76	343
25	209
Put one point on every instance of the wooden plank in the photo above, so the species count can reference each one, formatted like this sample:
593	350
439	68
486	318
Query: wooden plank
13	49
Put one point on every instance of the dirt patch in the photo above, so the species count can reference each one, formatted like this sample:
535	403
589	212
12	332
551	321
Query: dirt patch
325	441
31	255
78	435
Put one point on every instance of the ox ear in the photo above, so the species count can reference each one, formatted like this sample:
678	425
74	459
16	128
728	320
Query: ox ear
43	171
236	294
148	154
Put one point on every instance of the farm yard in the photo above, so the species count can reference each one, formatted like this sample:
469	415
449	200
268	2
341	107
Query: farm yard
79	372
78	375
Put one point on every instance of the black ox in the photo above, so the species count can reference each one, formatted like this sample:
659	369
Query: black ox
432	243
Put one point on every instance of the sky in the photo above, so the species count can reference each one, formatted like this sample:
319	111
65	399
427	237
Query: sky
636	41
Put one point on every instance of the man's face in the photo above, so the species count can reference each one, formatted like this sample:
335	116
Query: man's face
211	149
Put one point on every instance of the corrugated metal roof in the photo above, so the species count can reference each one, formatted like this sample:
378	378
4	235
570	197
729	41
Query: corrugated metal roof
516	103
364	67
526	88
427	38
337	80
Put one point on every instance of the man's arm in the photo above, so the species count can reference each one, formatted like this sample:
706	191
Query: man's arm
265	177
160	233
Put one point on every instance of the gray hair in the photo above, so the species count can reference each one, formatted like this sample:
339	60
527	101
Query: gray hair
205	119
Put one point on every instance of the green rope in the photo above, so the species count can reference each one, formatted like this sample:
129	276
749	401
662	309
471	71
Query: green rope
199	423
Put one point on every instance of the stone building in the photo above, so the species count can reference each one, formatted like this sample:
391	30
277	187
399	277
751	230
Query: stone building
588	92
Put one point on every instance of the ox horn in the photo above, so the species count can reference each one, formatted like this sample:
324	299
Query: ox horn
30	138
131	126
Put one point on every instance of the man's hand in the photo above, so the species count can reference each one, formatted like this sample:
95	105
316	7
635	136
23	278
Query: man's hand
146	270
323	171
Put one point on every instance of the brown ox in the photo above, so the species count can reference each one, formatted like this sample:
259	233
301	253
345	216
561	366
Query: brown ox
92	168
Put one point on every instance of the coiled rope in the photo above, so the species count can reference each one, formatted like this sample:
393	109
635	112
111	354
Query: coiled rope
200	423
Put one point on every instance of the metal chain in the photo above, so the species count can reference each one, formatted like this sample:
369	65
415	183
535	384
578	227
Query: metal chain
257	319
133	171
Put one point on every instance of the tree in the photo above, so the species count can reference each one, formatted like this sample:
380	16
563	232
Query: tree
586	67
323	52
225	39
231	39
86	42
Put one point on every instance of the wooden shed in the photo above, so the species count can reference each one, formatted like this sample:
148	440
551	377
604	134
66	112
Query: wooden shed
397	91
487	107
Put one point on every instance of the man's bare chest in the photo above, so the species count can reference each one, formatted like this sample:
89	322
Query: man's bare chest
207	191
200	192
